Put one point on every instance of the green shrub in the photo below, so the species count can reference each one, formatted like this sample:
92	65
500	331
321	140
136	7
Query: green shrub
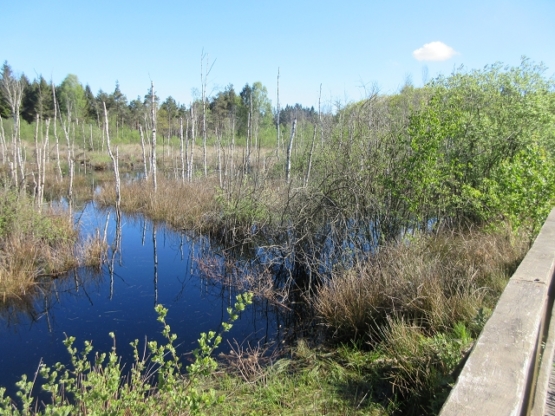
153	386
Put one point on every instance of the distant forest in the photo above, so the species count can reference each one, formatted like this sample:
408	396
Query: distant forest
80	104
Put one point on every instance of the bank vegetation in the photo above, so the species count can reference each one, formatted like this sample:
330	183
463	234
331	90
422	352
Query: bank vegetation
387	228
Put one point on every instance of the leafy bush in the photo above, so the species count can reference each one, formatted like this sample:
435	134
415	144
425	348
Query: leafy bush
522	189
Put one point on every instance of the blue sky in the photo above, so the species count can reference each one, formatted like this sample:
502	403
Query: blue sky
347	46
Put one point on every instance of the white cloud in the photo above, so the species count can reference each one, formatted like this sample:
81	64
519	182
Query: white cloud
434	51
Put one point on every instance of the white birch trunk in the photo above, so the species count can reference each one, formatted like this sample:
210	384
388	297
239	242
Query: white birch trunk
153	151
38	160
277	117
289	147
58	167
191	161
2	141
309	165
181	150
219	150
145	166
114	160
43	165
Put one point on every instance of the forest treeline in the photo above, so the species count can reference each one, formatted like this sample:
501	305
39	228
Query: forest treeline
83	106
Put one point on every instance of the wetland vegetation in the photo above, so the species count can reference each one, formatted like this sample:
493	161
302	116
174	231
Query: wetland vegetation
384	229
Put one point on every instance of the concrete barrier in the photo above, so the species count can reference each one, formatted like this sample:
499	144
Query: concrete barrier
508	369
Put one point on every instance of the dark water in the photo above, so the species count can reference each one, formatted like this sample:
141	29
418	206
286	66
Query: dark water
153	265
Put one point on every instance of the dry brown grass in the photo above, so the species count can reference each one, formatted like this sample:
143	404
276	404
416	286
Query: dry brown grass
93	251
182	205
34	245
249	362
431	281
25	257
257	280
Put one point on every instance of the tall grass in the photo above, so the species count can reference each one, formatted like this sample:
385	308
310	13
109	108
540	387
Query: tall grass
432	281
182	205
420	304
35	244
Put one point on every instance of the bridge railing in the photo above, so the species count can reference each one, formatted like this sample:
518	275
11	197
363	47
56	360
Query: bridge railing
507	371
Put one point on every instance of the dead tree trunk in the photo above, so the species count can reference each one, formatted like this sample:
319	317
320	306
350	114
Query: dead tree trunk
277	118
203	86
249	137
70	190
43	166
2	141
59	168
181	149
203	80
12	90
153	151
190	160
144	152
115	161
37	160
289	147
219	151
91	139
65	128
309	164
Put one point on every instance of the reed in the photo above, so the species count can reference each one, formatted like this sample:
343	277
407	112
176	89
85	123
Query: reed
433	281
34	244
182	205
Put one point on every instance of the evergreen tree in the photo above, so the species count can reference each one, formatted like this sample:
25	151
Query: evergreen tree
90	104
37	99
136	111
119	103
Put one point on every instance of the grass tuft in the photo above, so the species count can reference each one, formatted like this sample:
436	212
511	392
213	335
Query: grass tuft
435	281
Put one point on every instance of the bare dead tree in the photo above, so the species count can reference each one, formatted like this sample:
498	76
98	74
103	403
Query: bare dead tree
2	141
190	159
232	150
115	161
91	138
144	152
66	125
219	149
70	190
59	168
277	118
84	147
181	149
289	147
203	80
12	89
249	137
153	151
43	166
37	159
309	164
187	146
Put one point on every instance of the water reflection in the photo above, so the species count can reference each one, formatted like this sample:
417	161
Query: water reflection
140	272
